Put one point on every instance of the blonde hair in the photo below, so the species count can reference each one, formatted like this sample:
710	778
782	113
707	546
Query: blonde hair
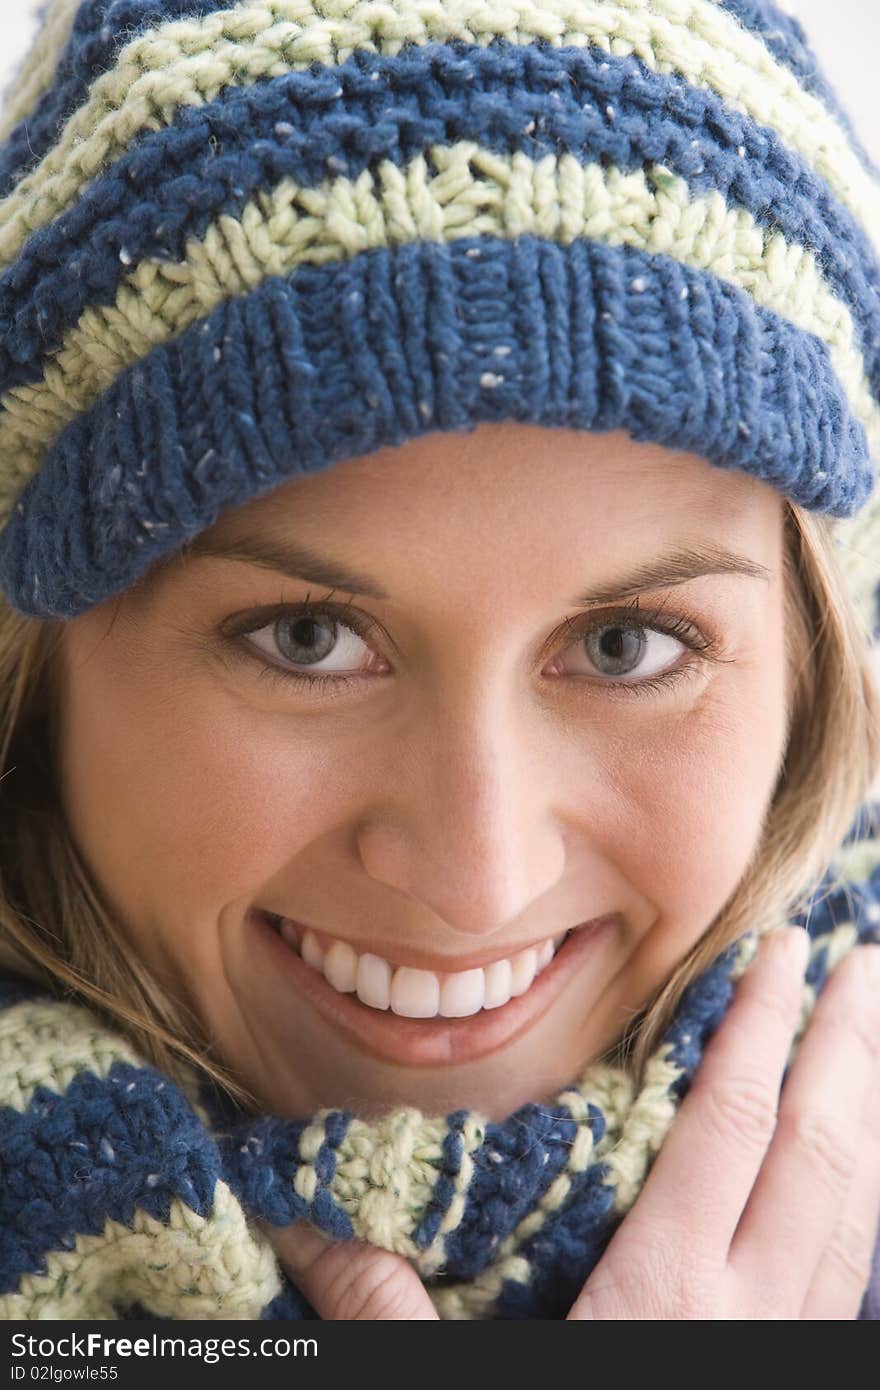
55	929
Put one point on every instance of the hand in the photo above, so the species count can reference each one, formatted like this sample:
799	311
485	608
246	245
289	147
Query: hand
348	1279
748	1213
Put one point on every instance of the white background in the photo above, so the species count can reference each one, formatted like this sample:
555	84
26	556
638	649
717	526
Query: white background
845	36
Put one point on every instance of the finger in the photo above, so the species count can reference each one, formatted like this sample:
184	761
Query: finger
350	1280
844	1271
812	1162
702	1176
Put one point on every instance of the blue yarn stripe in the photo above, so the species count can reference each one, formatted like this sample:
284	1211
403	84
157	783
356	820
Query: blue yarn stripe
702	1008
69	1162
516	1164
866	825
135	210
14	989
580	1232
787	40
833	901
577	1229
444	1185
260	1159
289	1305
102	27
396	342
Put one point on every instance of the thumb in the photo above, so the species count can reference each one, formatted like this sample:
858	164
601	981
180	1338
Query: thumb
349	1279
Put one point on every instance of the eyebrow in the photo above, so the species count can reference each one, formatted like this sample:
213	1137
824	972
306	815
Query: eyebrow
678	566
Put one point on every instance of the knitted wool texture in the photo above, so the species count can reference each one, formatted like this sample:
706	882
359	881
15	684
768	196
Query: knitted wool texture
123	1196
239	242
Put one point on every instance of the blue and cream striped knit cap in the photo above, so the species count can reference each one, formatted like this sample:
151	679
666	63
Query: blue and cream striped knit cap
241	241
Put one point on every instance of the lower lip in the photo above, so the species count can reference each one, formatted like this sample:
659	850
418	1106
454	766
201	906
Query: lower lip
439	1041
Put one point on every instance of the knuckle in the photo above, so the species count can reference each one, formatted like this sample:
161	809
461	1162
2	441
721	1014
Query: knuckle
863	968
849	1257
866	1032
777	1006
851	997
372	1289
659	1279
872	1117
837	1011
820	1143
741	1108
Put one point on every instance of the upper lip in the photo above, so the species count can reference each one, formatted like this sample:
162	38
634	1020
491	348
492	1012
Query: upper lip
423	960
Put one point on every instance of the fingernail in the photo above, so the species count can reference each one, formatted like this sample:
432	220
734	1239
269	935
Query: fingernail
796	944
870	951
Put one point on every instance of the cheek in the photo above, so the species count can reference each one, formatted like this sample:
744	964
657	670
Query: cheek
695	803
182	801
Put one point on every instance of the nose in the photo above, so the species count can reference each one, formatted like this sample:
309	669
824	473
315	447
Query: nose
472	834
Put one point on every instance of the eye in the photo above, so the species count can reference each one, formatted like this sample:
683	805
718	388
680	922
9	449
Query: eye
623	648
627	651
310	637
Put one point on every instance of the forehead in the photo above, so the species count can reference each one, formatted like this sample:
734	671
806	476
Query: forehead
509	500
512	468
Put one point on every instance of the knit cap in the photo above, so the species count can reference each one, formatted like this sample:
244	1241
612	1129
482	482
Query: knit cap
241	241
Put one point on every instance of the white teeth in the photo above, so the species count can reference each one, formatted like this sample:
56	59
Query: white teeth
374	981
497	984
523	969
341	967
462	994
288	932
311	951
413	993
545	955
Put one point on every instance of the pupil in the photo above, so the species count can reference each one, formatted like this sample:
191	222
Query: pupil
618	647
303	631
300	638
612	643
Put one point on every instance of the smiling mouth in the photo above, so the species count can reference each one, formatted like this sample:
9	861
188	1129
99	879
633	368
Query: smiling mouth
409	991
432	1040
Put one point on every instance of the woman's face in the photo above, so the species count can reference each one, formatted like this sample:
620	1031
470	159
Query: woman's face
491	759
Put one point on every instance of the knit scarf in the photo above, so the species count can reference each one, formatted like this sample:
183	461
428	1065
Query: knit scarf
124	1195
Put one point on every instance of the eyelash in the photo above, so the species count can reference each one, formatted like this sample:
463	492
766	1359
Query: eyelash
705	648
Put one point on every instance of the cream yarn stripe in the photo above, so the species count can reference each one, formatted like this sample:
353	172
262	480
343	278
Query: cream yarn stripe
225	1263
431	1259
857	544
188	1267
474	192
187	62
305	1180
46	1043
38	68
858	860
386	1174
